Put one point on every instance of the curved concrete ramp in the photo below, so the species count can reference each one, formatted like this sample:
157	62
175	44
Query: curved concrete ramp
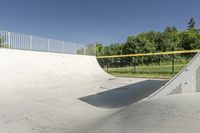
59	93
186	81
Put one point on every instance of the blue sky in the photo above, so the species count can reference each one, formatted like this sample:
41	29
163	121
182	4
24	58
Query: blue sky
88	21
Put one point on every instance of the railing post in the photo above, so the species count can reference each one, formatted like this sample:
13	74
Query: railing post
63	46
84	50
48	45
95	49
31	42
9	45
74	48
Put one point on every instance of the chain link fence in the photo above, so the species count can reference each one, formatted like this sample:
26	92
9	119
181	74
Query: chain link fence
146	65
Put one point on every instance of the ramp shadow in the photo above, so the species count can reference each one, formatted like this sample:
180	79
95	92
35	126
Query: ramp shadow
124	96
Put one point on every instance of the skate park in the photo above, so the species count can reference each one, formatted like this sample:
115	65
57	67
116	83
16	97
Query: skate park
74	66
51	92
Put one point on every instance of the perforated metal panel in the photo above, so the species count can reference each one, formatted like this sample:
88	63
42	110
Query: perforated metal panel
198	79
186	81
177	90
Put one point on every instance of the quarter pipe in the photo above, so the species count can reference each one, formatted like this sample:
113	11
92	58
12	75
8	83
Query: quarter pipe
61	93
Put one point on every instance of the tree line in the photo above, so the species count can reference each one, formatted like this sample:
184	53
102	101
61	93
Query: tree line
171	39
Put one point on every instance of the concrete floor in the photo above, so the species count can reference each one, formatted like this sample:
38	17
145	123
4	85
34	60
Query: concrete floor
172	114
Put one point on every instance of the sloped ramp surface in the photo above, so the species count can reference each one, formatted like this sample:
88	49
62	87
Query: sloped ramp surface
40	92
186	81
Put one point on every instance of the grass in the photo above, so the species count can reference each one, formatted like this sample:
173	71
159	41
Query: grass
163	71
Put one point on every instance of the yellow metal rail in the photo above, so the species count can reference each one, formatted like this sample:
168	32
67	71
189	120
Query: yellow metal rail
150	54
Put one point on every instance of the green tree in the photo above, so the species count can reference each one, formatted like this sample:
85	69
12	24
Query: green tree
169	40
190	39
99	49
191	24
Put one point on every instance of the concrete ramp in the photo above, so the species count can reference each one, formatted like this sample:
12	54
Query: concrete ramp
186	81
61	93
41	69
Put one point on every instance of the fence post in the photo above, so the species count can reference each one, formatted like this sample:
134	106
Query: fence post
107	64
63	46
9	45
94	49
134	62
84	50
31	42
74	48
48	45
172	63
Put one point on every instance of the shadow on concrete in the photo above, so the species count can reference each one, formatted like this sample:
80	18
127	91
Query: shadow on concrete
124	96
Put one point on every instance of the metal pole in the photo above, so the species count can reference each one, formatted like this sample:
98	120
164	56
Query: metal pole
94	49
107	65
134	65
172	63
48	45
9	40
63	46
31	42
74	48
84	50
